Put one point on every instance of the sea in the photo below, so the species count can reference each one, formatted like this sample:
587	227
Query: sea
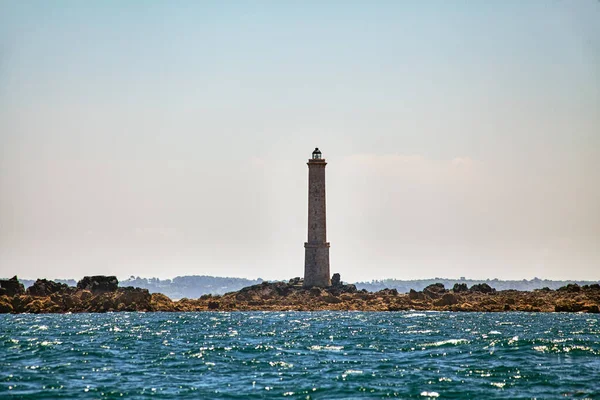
300	355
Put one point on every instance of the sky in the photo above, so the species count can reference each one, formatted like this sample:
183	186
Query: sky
159	139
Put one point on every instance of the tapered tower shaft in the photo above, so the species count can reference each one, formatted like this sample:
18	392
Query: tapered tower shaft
316	255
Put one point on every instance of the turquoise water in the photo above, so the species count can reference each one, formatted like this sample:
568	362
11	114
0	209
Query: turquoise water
317	355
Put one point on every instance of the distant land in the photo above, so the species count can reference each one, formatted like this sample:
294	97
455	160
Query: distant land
194	286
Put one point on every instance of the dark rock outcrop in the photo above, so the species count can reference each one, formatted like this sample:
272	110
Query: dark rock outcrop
482	288
44	287
388	292
336	280
460	288
434	291
12	287
98	284
569	306
571	288
447	299
414	295
341	288
296	281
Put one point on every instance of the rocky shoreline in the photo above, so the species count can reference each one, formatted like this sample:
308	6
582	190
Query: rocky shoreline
103	294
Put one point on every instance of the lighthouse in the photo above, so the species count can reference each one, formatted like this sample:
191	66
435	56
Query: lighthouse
316	249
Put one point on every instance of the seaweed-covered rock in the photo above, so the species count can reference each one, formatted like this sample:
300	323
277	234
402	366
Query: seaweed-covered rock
5	305
12	286
98	284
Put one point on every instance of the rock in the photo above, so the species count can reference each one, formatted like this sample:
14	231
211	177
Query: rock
5	305
331	299
482	288
349	288
460	288
568	306
295	281
447	299
129	296
340	289
20	302
395	307
98	284
336	279
160	302
103	294
414	295
85	295
388	292
42	305
12	286
570	288
434	291
44	287
593	309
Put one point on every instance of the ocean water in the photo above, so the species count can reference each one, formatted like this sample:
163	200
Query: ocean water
316	355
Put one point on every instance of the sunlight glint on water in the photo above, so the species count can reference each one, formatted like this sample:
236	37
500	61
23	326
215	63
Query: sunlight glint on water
300	355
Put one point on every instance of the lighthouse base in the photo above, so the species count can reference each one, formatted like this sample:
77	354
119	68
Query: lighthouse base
316	265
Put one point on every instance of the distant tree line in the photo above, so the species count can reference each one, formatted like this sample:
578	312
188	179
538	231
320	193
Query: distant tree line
190	287
404	286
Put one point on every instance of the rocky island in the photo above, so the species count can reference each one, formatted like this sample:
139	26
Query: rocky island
103	294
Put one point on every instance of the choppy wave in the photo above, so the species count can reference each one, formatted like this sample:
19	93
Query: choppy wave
300	355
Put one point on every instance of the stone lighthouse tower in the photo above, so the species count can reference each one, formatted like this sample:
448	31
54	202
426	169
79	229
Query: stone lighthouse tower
316	255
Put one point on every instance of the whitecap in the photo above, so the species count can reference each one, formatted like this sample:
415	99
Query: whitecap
445	342
280	364
498	384
326	348
430	394
414	315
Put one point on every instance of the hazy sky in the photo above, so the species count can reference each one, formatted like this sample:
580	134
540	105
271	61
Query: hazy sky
170	138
